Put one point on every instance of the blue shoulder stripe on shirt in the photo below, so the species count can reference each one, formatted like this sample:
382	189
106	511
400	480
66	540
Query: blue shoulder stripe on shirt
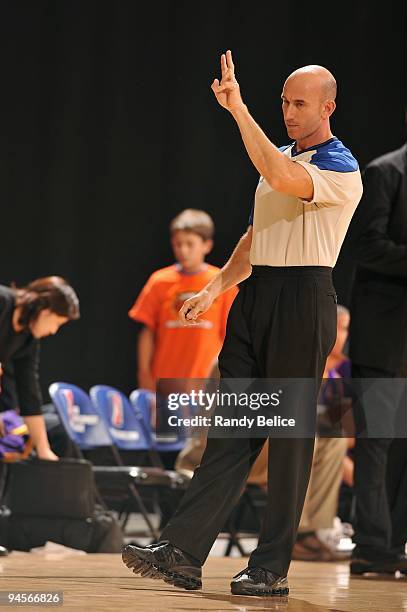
330	155
334	156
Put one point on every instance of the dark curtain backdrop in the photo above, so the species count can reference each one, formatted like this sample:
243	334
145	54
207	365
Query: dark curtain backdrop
109	128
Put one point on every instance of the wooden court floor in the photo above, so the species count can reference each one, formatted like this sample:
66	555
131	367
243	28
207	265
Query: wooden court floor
101	582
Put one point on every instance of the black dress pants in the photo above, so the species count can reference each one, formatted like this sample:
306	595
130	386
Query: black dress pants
282	324
380	482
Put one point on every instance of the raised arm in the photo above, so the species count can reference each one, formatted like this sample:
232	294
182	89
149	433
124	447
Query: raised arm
236	269
277	169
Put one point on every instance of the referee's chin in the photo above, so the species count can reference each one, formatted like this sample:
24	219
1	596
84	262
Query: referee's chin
292	132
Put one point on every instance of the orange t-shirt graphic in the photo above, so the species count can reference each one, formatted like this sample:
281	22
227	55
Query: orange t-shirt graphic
182	352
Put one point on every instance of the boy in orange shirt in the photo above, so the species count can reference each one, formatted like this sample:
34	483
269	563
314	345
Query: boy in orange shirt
166	348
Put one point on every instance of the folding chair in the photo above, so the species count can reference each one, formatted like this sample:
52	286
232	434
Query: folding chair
129	433
142	401
87	430
126	426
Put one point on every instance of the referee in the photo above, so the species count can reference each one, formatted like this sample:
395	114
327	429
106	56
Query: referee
282	325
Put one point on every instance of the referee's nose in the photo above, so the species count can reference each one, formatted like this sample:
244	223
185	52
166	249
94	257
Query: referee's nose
289	114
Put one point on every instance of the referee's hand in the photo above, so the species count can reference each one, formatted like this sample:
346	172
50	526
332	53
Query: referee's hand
195	306
227	92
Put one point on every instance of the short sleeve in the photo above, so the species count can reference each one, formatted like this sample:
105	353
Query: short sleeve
147	306
333	188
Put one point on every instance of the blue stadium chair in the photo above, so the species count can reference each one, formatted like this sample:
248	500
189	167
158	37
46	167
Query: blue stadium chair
87	429
165	440
125	426
82	422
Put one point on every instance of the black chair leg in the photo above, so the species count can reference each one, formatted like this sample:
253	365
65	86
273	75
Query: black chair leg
136	495
233	527
233	541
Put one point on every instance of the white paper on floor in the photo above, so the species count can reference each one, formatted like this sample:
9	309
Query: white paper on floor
57	549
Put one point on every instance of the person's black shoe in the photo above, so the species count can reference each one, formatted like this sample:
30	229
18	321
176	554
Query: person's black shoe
166	562
388	564
259	581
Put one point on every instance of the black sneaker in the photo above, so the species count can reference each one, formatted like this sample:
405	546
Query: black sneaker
259	581
387	564
166	562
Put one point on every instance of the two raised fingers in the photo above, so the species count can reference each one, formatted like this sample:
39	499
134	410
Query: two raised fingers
228	74
226	65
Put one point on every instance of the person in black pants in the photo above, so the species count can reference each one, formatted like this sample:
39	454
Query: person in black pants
378	350
281	324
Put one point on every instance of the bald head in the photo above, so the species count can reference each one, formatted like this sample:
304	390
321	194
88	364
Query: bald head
308	101
316	78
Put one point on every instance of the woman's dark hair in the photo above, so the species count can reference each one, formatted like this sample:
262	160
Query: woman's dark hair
52	292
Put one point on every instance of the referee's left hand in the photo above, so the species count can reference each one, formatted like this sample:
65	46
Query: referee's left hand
193	307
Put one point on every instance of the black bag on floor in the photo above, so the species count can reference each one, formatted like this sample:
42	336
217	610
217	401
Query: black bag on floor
99	533
107	537
55	501
58	489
